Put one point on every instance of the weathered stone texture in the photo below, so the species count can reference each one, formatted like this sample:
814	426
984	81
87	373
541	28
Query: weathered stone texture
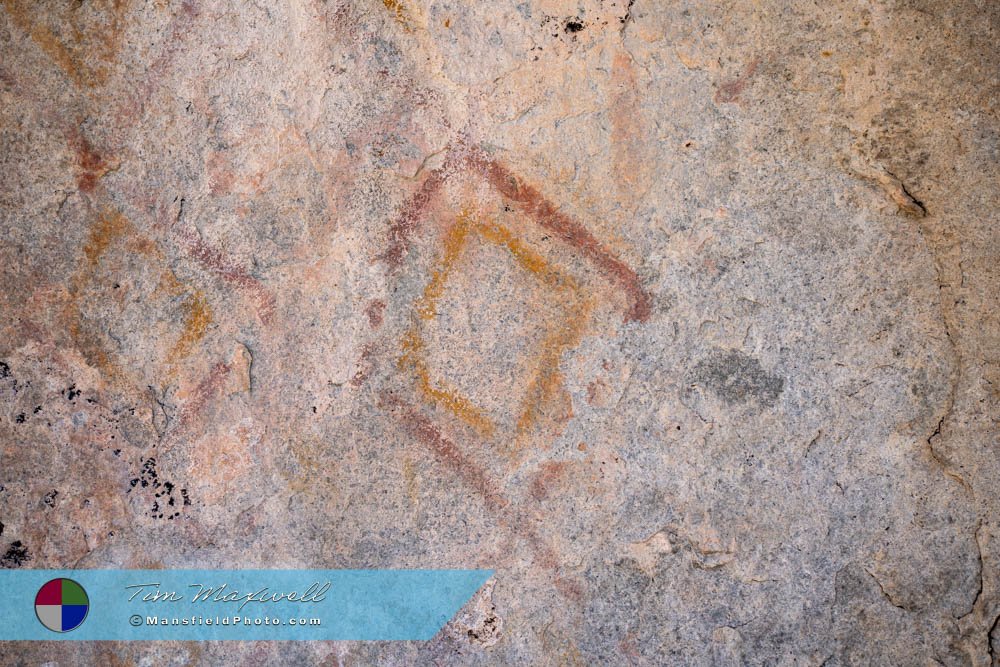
680	316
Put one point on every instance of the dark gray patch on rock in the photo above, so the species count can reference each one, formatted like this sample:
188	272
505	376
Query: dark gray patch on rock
736	378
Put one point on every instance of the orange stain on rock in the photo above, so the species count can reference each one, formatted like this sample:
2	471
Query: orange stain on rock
110	225
529	260
413	347
199	316
21	14
83	52
546	378
439	392
110	228
398	11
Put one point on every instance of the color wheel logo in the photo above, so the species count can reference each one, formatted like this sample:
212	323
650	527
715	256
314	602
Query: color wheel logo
61	605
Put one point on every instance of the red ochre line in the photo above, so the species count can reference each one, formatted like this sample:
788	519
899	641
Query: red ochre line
548	216
404	226
216	261
449	454
128	117
540	209
201	395
510	515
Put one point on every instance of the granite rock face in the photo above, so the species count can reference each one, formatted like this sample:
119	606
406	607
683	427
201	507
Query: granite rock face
680	316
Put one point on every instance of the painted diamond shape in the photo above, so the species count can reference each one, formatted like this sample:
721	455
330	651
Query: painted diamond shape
541	242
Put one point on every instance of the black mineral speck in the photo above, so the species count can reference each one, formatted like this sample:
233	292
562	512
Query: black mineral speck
4	370
16	555
164	491
20	419
574	25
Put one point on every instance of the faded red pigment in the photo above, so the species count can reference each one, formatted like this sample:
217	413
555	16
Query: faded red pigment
530	200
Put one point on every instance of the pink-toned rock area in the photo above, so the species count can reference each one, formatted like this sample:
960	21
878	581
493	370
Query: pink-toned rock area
680	316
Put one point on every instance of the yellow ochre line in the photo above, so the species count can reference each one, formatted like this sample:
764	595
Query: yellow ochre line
546	377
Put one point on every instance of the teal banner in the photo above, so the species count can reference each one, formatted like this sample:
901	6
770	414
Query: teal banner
231	604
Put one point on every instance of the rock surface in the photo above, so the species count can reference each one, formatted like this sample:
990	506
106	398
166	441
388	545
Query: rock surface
680	316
